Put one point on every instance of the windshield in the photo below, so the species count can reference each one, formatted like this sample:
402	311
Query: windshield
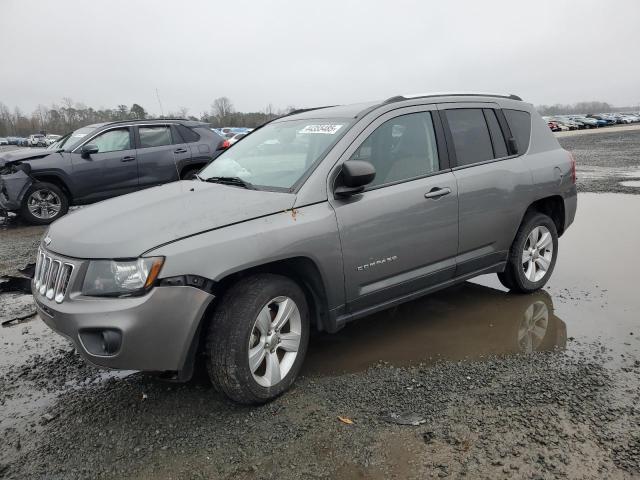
278	155
71	140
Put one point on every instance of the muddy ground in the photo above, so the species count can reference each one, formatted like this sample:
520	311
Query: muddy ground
501	386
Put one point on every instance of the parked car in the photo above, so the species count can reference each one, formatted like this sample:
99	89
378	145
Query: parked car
37	140
236	137
314	220
4	141
588	122
604	120
51	138
102	161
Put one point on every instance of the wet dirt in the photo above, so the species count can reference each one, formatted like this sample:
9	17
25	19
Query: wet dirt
508	386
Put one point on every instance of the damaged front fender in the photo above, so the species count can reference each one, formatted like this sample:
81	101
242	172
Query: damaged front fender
13	187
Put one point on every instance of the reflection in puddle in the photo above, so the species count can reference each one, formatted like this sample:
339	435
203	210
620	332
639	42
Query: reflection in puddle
469	321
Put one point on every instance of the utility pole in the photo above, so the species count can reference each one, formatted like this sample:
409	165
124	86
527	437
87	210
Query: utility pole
159	103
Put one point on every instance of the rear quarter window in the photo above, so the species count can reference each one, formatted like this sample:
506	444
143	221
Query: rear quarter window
187	134
520	125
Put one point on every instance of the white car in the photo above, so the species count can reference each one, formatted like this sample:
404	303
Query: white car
51	139
236	137
4	141
37	140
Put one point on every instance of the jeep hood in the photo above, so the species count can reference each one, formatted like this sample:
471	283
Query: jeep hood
128	226
23	154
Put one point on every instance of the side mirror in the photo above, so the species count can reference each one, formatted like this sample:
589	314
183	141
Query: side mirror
354	176
513	146
88	150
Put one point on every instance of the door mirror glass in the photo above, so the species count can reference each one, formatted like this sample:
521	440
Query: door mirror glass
354	176
89	149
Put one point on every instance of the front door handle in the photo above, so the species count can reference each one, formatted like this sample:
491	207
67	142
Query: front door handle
437	192
180	150
127	159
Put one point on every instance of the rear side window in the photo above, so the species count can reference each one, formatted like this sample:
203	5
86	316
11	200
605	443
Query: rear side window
187	134
520	125
497	138
155	136
401	149
471	138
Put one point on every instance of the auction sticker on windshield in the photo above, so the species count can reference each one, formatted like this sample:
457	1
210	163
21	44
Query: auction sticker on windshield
326	129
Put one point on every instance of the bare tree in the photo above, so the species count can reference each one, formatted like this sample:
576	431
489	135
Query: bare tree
221	107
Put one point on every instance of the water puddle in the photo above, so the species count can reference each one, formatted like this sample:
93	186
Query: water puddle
591	298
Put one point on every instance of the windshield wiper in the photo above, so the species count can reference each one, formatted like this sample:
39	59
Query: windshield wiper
235	181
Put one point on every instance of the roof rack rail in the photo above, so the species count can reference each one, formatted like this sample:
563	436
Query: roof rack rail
150	120
399	98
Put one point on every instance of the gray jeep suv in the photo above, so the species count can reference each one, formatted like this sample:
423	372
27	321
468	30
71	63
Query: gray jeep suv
316	219
102	161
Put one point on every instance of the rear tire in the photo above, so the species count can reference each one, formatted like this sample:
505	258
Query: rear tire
252	356
43	203
532	256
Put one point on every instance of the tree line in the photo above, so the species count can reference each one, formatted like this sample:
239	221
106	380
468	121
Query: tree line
69	115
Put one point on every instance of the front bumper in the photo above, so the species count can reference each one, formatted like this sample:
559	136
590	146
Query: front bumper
156	330
13	187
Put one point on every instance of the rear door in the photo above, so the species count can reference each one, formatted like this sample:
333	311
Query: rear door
159	154
493	184
112	171
400	236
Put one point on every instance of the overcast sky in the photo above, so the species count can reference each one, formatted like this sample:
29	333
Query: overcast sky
309	53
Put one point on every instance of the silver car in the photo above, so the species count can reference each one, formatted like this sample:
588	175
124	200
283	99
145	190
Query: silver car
316	219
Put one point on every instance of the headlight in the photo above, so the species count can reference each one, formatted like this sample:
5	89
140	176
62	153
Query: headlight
121	277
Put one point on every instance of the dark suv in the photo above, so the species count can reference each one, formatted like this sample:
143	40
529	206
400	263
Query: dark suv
101	161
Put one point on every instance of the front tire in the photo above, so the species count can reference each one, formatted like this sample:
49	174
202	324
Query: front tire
258	338
43	203
532	256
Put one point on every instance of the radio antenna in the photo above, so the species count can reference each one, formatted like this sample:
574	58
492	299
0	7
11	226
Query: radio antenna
159	103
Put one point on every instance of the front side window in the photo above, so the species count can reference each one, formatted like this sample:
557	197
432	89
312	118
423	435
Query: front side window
279	154
155	136
112	140
401	148
470	134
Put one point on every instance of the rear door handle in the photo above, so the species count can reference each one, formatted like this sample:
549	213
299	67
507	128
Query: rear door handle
437	192
180	150
127	159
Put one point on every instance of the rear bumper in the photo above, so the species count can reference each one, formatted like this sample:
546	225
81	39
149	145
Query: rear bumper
570	206
155	331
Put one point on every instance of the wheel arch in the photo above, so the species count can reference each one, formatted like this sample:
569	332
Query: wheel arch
304	271
551	206
54	179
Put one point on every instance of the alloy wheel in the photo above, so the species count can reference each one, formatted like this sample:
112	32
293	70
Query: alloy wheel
537	254
44	204
274	341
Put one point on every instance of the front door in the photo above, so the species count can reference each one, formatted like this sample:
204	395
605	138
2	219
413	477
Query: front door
400	236
110	172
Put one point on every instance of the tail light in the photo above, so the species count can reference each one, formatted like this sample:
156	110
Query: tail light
225	144
573	167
